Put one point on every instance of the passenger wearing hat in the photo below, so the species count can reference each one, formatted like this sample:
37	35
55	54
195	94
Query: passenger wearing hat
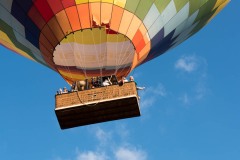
65	90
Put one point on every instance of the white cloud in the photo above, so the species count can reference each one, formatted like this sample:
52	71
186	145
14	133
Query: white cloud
160	90
185	99
130	154
103	136
201	89
187	64
150	95
115	148
90	155
122	153
122	131
147	102
196	87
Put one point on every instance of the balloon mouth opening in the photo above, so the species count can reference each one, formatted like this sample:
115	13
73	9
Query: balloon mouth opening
92	52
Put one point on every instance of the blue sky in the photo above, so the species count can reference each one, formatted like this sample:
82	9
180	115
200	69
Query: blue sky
190	108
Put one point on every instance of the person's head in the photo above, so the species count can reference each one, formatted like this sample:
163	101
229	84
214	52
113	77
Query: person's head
131	78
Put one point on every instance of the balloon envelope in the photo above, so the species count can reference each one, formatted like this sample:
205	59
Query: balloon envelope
80	39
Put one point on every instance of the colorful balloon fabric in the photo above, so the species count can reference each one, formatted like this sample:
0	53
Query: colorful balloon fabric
85	38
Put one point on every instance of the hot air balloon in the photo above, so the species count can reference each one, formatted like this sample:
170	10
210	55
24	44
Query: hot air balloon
81	39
